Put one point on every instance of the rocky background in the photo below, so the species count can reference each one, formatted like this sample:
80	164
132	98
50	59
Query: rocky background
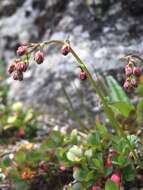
100	31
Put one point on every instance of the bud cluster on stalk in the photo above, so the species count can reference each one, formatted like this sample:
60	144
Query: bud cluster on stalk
132	72
24	51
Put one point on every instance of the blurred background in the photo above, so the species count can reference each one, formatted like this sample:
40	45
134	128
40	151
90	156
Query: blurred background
101	31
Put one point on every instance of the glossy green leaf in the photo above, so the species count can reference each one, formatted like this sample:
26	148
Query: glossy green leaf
123	108
116	93
79	174
74	154
110	185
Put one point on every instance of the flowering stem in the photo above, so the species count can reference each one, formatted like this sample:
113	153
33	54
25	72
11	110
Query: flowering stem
107	109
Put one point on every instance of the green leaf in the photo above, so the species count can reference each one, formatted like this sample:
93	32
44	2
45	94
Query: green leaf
21	185
110	185
56	137
79	174
116	93
139	89
98	163
77	186
94	138
29	115
123	108
14	175
128	173
74	154
20	157
140	112
6	162
102	129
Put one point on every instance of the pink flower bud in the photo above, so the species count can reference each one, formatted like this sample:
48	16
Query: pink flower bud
11	68
21	50
128	71
21	66
62	168
116	178
65	49
18	76
94	187
137	71
126	85
83	75
39	57
134	83
15	76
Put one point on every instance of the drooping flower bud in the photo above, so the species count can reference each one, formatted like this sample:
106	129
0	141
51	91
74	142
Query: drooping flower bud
21	66
116	178
18	76
83	75
108	163
137	71
21	50
134	83
39	57
21	132
126	85
11	68
65	49
128	70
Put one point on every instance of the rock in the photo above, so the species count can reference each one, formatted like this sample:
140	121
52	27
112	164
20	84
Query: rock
134	7
8	7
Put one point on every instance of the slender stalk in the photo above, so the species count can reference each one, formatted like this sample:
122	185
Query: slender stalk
107	109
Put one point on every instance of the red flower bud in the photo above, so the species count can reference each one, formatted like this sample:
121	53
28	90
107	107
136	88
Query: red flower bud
83	75
11	68
21	132
39	57
137	71
65	49
116	178
94	187
21	50
108	163
42	165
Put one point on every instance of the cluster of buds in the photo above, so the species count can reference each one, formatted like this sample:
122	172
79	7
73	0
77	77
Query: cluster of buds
17	68
21	64
24	51
132	72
